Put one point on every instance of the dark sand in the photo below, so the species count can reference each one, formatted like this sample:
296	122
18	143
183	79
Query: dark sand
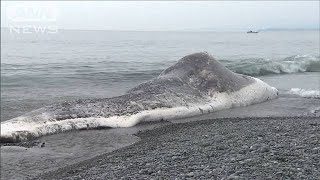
230	148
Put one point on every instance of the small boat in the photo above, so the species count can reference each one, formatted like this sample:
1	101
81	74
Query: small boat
252	32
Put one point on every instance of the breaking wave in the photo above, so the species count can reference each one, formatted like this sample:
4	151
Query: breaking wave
260	66
305	93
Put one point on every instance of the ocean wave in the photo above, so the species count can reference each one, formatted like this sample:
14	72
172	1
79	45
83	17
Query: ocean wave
260	66
305	93
315	111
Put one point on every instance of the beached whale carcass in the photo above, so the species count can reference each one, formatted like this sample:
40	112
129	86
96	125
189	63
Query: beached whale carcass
196	84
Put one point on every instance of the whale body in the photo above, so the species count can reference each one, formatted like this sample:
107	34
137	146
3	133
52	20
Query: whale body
195	85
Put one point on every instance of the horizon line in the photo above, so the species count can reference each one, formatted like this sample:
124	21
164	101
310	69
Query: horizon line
190	30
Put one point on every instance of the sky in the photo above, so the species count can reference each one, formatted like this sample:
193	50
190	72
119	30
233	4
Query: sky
163	15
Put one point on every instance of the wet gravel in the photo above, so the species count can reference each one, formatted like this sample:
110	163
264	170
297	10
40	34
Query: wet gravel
27	144
248	148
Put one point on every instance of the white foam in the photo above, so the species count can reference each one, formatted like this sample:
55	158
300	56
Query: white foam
305	93
293	64
254	93
315	110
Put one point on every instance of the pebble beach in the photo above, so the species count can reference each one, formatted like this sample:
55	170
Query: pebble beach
226	148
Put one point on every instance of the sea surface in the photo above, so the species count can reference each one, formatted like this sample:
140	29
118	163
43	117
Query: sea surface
41	69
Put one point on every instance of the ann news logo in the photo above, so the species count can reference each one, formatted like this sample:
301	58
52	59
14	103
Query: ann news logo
32	19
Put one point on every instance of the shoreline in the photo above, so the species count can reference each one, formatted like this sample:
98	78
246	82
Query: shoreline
73	147
209	148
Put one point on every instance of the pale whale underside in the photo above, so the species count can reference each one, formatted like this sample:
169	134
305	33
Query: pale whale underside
196	79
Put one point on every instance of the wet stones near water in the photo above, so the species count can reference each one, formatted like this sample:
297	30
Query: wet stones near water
43	144
27	144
